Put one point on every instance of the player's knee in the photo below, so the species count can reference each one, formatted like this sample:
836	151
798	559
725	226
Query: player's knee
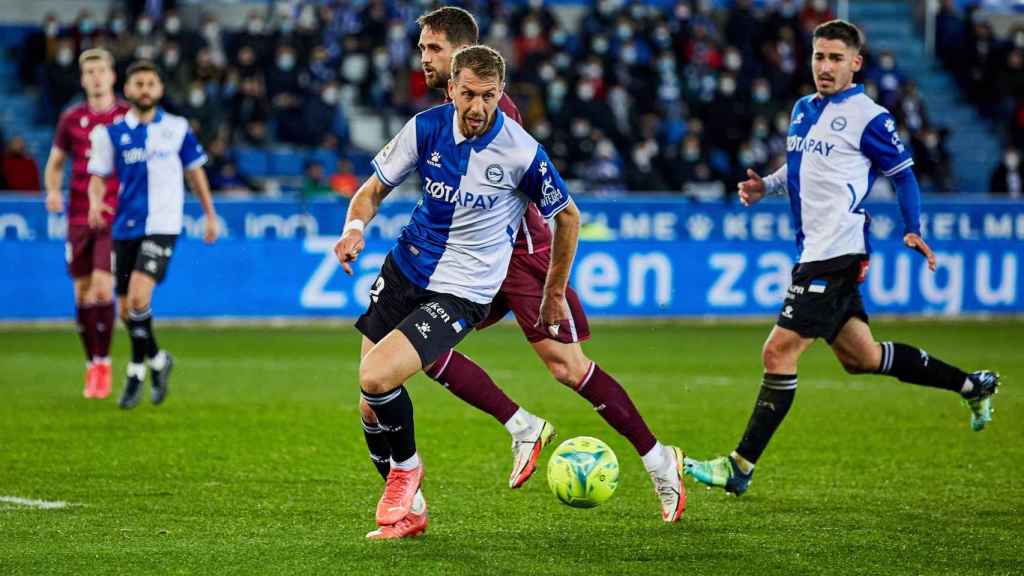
569	371
366	413
102	294
138	301
773	356
373	380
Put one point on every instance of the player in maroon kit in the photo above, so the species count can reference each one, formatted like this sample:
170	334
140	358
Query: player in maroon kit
443	32
88	250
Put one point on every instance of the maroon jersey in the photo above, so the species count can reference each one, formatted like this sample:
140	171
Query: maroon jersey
534	234
72	136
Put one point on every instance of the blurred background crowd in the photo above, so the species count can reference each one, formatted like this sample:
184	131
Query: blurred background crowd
674	97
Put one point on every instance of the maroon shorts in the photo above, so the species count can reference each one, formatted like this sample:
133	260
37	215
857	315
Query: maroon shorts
87	249
521	293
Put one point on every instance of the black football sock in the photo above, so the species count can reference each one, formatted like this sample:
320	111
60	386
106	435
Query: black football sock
140	329
394	416
380	450
773	402
916	366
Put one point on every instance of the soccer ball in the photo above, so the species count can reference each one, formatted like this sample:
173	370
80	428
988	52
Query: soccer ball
583	472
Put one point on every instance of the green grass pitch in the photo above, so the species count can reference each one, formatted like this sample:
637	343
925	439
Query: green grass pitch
256	463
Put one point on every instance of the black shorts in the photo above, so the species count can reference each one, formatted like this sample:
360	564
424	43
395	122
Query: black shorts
823	297
432	321
149	254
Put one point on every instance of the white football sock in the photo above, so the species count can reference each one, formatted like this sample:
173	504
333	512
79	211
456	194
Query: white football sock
411	463
159	361
136	370
655	458
522	425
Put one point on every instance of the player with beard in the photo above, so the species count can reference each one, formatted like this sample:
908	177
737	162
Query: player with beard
88	249
443	32
150	151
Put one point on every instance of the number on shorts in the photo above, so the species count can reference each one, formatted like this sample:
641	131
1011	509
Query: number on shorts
377	288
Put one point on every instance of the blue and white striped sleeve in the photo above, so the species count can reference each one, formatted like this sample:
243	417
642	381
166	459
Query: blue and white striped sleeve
881	143
398	158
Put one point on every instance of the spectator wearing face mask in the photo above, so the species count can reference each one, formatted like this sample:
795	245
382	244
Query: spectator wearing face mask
254	35
61	78
1008	177
175	71
86	31
206	112
250	111
40	47
320	117
173	30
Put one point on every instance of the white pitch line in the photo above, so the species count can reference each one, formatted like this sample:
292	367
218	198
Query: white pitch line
41	504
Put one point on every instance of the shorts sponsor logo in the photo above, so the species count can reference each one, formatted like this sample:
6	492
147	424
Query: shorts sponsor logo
795	290
495	174
787	312
424	329
376	289
151	266
436	311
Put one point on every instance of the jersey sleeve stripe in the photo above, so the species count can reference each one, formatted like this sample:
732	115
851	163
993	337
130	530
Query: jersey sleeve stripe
202	160
380	174
899	167
554	211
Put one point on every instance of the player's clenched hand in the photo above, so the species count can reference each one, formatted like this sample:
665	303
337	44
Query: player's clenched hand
211	229
914	241
55	202
348	247
752	189
553	310
96	214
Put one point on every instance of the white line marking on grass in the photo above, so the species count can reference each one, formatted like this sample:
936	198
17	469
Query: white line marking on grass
41	504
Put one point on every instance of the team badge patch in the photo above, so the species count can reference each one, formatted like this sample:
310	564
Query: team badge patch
838	123
495	174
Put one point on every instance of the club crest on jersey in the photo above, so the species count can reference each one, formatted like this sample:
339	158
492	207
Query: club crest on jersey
495	174
838	123
84	122
424	329
445	193
435	159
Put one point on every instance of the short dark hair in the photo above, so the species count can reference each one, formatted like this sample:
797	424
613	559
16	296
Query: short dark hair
141	66
840	30
484	61
458	25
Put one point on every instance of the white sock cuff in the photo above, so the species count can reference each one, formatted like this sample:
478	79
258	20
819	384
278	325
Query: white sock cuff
519	422
411	463
136	370
655	457
159	361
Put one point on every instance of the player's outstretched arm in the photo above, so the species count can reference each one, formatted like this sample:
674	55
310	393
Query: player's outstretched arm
53	177
363	207
201	187
909	196
553	308
97	207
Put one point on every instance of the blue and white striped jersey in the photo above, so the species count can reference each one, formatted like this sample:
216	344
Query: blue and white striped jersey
837	146
475	192
149	160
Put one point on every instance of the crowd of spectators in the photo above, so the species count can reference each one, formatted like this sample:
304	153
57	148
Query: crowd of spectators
639	98
990	71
